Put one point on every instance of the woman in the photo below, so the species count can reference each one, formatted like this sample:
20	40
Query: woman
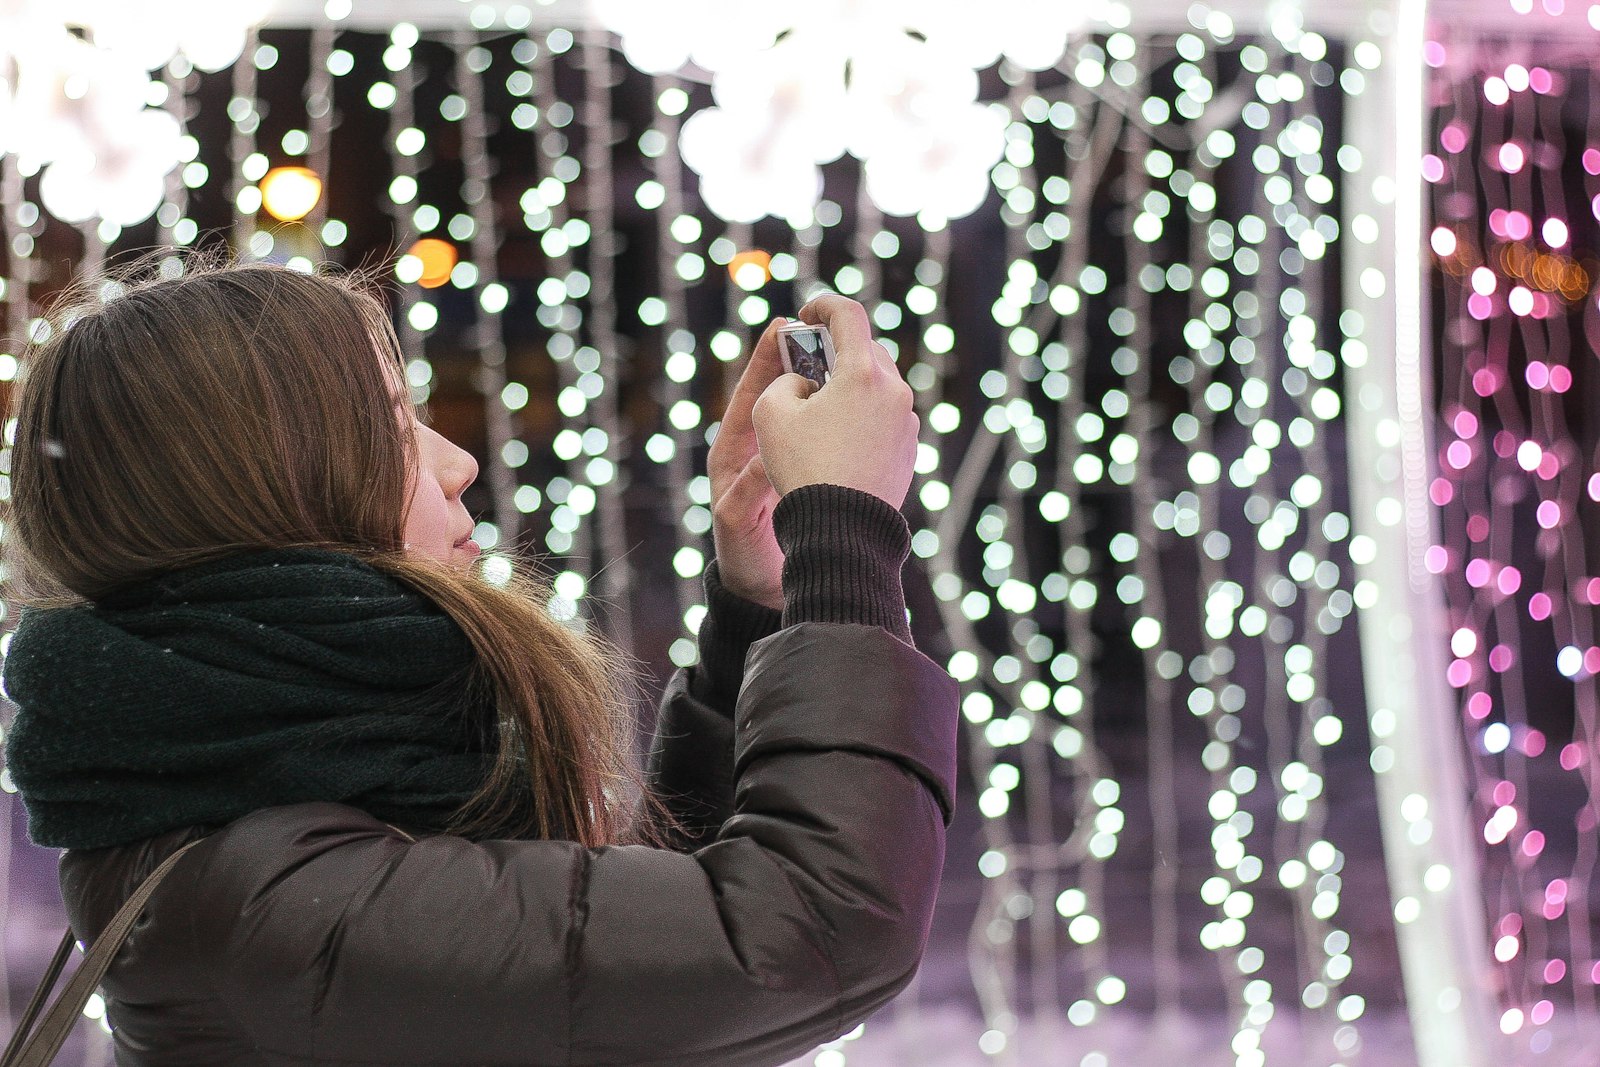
254	619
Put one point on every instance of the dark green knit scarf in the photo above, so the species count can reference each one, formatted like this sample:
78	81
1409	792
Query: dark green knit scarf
267	678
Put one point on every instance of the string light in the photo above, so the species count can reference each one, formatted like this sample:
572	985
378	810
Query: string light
1511	247
679	265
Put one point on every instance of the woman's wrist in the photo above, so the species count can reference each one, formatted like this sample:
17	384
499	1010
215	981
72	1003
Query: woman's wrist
843	552
731	624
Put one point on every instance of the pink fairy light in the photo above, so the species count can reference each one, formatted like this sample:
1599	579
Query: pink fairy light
1501	658
1436	559
1539	606
1508	581
1495	91
1591	160
1440	491
1432	168
1479	705
1511	157
1453	138
1465	423
1433	54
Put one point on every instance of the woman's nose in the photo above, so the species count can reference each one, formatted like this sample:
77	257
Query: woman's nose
466	470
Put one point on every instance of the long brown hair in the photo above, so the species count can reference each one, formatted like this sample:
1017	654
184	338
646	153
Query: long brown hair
165	422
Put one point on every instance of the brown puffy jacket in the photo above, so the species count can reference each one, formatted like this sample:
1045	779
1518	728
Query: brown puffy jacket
319	934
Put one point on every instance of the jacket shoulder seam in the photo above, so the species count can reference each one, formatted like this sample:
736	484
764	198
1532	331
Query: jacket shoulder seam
578	917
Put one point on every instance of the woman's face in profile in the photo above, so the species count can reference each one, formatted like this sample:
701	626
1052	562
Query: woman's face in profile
437	524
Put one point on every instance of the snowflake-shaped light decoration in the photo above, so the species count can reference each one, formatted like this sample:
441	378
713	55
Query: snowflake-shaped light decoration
893	82
79	106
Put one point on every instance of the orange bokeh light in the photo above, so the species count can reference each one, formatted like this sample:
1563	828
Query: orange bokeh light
438	259
749	262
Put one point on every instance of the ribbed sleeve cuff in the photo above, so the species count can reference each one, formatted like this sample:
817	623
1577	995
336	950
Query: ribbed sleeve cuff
730	625
843	550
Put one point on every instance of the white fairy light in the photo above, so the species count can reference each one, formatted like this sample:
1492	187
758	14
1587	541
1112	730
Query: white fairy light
76	106
798	87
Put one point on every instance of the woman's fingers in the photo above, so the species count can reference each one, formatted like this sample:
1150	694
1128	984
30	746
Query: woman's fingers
847	321
762	369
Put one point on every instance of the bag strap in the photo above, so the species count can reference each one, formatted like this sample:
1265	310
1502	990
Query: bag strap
39	1048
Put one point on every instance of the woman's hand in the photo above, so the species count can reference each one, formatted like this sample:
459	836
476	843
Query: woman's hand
858	431
749	560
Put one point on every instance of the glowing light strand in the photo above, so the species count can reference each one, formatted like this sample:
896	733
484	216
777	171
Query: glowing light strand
615	570
473	61
405	168
677	267
552	216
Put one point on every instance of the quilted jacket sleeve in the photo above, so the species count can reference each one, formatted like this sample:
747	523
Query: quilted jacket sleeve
690	766
843	551
809	910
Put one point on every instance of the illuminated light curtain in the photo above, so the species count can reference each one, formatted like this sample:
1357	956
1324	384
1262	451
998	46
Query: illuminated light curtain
1510	163
678	267
1129	503
1223	530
